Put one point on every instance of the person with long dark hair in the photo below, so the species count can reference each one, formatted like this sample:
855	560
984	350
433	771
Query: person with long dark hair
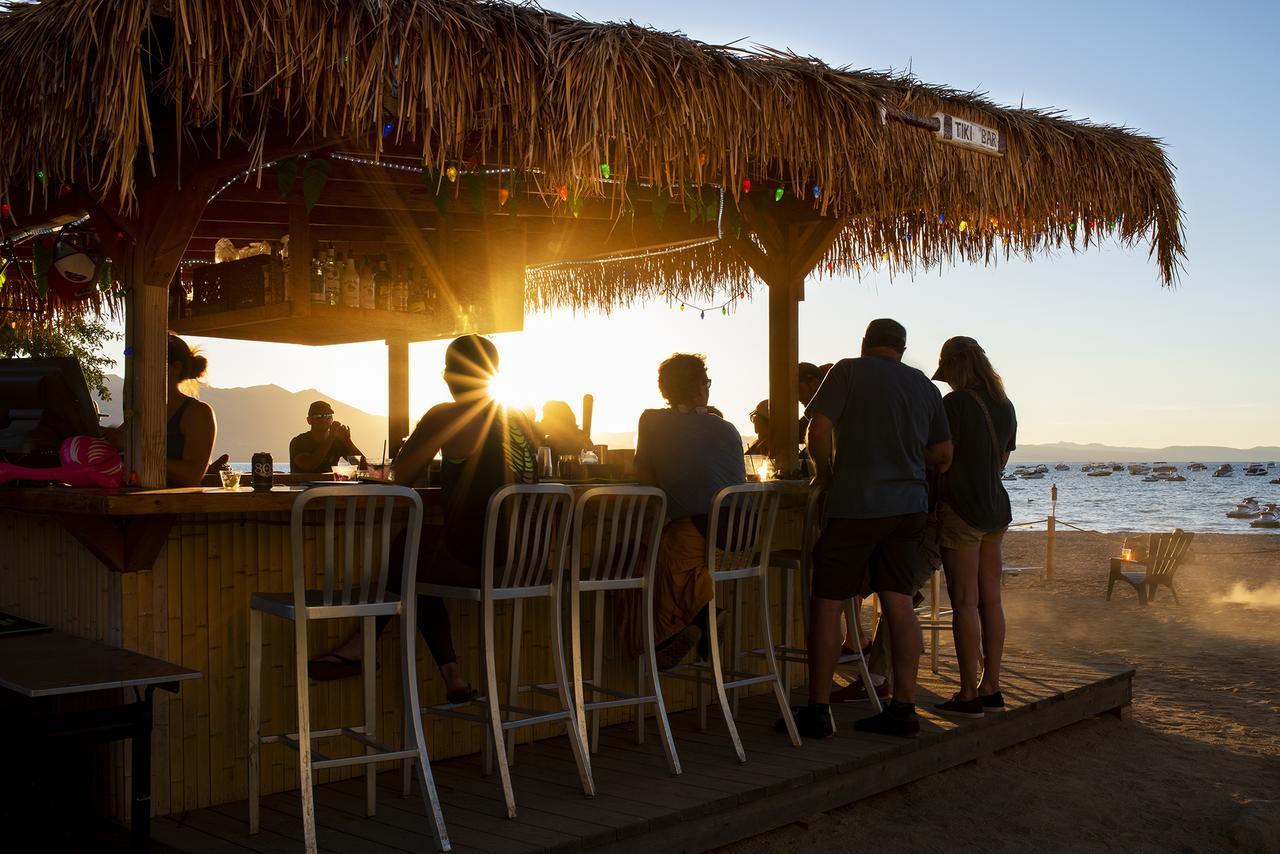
191	428
972	516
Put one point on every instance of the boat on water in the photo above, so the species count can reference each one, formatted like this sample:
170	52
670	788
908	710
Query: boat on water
1274	480
1033	475
1197	467
1102	472
1224	470
1139	468
1270	518
1164	467
1255	469
1247	509
1062	467
1116	467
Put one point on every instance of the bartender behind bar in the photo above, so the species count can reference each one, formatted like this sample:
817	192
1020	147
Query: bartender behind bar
324	444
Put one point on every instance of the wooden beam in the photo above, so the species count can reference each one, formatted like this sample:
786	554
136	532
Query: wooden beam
298	286
145	373
784	380
397	395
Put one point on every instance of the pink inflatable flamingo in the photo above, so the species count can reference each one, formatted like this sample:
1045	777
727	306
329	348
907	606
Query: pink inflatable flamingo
86	461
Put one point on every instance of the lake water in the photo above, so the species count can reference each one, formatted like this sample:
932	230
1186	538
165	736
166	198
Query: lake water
1122	502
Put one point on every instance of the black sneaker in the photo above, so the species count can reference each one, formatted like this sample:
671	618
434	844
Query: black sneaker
957	708
897	719
993	702
810	722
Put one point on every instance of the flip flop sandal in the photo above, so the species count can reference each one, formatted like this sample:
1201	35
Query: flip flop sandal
461	696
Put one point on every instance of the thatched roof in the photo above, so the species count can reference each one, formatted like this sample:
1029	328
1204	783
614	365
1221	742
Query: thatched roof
95	93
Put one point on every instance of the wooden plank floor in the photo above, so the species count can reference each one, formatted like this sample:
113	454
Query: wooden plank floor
641	807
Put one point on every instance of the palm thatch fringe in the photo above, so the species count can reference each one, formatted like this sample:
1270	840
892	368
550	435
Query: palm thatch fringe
96	93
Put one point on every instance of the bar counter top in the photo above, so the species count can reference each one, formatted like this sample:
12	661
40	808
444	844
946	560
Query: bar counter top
146	502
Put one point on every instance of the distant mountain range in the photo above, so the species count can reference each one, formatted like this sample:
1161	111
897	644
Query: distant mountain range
1072	452
265	418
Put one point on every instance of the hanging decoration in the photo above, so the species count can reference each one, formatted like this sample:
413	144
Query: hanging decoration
452	174
746	185
605	171
77	262
777	194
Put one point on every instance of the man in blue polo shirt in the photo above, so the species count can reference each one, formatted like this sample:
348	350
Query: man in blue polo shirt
888	425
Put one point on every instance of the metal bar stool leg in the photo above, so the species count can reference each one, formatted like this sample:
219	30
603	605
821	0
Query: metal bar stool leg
597	666
735	650
718	676
513	673
641	665
486	739
575	653
650	660
304	735
369	668
499	749
414	733
784	702
935	594
576	743
255	716
788	630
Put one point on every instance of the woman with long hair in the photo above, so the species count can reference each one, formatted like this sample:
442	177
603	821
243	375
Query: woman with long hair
192	428
972	516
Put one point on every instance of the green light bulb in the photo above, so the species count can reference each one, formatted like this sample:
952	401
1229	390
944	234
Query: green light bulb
777	195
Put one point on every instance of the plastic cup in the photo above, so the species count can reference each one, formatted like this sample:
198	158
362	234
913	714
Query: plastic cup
343	472
230	479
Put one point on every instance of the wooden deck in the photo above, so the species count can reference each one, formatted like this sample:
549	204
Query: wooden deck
639	806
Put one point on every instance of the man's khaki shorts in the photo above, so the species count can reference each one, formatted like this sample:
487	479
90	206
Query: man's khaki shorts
956	533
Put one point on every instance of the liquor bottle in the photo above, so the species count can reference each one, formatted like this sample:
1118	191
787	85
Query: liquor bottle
382	284
368	284
332	278
280	286
399	289
317	275
417	292
350	282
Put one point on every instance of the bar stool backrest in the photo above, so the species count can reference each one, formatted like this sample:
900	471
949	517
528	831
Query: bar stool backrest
614	528
354	577
526	535
741	527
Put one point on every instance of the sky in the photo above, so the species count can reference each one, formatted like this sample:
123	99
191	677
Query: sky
1091	347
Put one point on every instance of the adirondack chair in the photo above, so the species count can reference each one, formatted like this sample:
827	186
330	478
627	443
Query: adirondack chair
1163	557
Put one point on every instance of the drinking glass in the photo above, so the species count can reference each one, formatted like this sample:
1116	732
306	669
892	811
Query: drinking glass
545	466
343	472
230	479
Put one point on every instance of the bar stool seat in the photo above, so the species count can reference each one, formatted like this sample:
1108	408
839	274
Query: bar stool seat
282	605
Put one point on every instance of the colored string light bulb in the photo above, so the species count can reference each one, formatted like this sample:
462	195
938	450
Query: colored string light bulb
503	195
746	185
942	218
387	128
702	158
885	256
451	173
777	195
605	171
723	310
40	175
682	306
817	191
702	316
4	209
564	193
964	224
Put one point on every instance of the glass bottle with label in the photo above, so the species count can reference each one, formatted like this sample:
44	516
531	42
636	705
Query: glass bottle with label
317	275
368	284
399	288
417	292
332	278
350	282
382	284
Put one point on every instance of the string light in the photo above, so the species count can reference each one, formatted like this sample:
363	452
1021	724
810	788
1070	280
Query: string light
777	194
503	195
605	171
451	173
635	256
746	185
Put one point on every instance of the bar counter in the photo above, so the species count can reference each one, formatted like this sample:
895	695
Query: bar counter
169	573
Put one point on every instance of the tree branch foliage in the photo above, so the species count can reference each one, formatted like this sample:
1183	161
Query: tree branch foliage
84	338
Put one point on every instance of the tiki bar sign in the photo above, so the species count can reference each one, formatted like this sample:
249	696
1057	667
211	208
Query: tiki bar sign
970	135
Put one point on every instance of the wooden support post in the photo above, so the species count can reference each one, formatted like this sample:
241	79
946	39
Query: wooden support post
145	373
784	380
397	394
1050	547
300	252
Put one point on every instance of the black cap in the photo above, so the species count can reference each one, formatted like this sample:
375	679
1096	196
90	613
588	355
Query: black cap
884	332
952	348
810	371
320	407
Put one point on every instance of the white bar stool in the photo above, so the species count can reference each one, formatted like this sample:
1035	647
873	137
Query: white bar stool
796	566
360	591
749	511
616	530
526	541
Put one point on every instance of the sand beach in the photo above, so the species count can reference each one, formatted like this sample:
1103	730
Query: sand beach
1196	767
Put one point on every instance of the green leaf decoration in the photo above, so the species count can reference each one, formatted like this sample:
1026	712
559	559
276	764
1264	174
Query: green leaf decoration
660	204
286	176
314	176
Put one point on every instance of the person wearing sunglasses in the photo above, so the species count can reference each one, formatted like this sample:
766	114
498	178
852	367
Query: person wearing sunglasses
324	444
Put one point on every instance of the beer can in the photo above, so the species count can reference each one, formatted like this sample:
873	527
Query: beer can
263	471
